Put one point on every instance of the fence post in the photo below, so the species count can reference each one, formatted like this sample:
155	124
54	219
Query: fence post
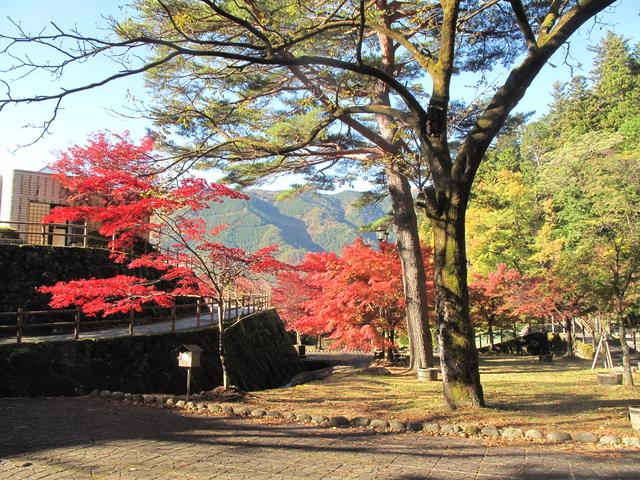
76	330
198	312
131	314
86	234
237	305
173	318
19	326
43	234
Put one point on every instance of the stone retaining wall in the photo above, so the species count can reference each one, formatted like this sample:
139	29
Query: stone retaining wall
259	354
26	267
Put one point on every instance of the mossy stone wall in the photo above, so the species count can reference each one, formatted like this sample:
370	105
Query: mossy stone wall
259	354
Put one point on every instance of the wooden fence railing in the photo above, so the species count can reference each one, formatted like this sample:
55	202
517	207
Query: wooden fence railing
57	234
42	323
71	235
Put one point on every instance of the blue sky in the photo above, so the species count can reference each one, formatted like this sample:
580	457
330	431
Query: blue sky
92	111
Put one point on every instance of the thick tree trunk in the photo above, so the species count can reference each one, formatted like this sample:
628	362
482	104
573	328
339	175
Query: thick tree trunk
404	219
627	376
492	345
386	348
223	364
414	278
570	342
458	354
390	349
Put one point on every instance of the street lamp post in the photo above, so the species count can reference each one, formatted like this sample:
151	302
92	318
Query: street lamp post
382	234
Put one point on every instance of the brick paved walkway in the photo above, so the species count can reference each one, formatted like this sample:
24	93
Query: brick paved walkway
89	439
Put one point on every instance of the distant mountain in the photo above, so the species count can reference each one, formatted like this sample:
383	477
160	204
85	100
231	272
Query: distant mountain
310	222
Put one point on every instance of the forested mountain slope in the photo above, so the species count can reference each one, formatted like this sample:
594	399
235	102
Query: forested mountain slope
310	222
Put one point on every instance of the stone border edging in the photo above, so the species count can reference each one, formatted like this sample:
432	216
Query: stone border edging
339	421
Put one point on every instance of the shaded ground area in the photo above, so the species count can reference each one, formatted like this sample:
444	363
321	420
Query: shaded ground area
519	390
321	359
77	438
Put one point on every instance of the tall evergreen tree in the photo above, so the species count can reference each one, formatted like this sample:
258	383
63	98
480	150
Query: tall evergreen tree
616	83
596	194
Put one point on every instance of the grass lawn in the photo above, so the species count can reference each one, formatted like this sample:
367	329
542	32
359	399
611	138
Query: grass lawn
519	391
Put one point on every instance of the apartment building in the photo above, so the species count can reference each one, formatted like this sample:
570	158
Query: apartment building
26	198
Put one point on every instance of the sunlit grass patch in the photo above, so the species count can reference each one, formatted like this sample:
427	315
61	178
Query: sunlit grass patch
519	391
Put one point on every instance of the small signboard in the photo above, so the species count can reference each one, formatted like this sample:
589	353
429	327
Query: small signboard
189	356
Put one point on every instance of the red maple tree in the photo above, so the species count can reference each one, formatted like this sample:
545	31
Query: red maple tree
291	293
490	298
357	299
550	299
121	187
505	297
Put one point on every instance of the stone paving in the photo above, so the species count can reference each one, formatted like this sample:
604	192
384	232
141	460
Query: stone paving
81	438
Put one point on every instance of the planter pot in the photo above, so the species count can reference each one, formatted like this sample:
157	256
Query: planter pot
546	357
634	415
610	378
430	374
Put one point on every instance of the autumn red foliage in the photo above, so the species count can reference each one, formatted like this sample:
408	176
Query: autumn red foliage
491	299
121	187
552	301
356	299
502	298
116	184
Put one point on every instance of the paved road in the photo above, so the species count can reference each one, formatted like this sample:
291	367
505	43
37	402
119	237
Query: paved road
186	323
65	438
